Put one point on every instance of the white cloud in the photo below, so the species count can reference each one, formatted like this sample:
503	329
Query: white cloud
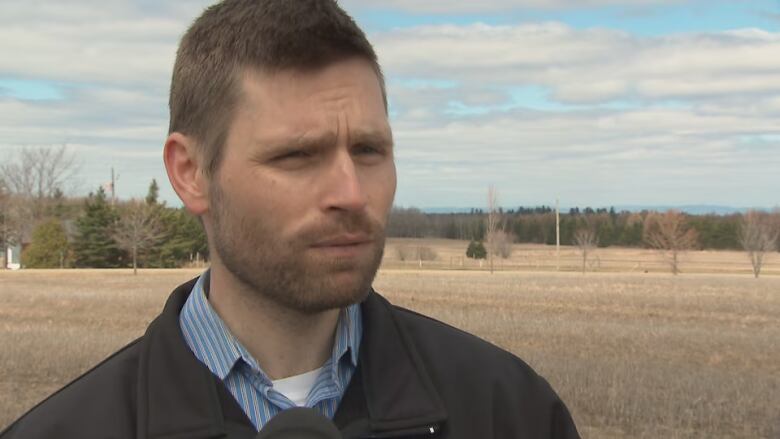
613	117
656	155
113	41
67	53
111	60
588	66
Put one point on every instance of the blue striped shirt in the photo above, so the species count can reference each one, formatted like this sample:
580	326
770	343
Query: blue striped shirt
214	345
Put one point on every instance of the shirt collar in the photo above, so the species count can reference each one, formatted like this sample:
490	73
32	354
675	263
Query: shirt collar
348	334
215	346
206	333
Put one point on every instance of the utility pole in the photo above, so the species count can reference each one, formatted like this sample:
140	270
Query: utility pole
114	178
5	240
557	236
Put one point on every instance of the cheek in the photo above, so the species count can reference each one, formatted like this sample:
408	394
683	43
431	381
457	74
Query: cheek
274	204
381	184
393	181
390	179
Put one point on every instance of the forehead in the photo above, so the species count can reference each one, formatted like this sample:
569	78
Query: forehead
296	99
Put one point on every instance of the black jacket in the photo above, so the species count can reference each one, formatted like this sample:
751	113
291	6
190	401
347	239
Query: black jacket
416	377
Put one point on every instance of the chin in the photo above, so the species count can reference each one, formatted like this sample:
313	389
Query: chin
333	295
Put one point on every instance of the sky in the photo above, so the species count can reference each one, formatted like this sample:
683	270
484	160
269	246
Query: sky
592	102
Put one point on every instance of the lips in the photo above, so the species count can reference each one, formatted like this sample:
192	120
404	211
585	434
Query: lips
345	240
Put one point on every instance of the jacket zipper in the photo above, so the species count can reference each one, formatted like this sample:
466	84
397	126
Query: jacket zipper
429	430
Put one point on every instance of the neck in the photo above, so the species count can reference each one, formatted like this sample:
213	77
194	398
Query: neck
285	342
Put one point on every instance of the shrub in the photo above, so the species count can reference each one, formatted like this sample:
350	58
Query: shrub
476	250
419	253
49	247
425	253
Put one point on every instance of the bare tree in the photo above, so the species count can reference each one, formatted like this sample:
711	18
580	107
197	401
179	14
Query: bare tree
492	226
669	234
587	240
502	243
757	236
425	253
419	253
34	178
139	228
403	251
13	221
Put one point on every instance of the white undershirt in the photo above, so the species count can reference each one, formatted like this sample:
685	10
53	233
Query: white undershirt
296	388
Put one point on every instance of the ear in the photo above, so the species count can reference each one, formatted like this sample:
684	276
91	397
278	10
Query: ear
185	173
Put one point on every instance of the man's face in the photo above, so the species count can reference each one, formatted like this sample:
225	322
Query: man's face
298	206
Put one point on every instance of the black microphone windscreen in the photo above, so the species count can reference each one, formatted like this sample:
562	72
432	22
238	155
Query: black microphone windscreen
299	423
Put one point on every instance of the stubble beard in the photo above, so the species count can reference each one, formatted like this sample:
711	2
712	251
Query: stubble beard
284	271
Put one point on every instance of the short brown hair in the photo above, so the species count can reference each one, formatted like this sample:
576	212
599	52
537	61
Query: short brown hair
269	35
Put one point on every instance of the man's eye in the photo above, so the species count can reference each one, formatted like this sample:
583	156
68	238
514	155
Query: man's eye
367	149
292	155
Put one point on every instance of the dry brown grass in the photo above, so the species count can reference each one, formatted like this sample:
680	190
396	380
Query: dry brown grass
537	257
634	355
56	324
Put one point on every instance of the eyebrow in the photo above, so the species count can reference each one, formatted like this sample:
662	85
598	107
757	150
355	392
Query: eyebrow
302	142
372	137
326	140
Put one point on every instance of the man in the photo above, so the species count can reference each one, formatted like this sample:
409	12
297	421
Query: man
279	141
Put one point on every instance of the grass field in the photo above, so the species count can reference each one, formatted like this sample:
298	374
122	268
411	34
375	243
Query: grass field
537	257
633	354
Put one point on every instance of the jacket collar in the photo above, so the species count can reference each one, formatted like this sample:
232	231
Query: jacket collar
178	395
399	393
176	392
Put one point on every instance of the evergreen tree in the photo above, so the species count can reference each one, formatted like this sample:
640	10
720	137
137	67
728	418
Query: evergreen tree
153	194
631	235
451	230
476	250
57	207
606	234
568	228
185	240
49	247
94	245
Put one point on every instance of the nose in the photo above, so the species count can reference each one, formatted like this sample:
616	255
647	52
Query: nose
343	189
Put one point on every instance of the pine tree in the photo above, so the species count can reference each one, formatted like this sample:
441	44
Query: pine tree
476	250
185	240
49	247
94	245
153	194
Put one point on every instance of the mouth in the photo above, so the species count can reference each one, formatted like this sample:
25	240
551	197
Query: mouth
348	245
346	240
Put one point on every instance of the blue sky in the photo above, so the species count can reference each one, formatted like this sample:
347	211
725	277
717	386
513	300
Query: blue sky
647	19
594	102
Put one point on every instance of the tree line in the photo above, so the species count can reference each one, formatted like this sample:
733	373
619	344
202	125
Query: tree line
55	230
537	225
94	233
59	231
670	233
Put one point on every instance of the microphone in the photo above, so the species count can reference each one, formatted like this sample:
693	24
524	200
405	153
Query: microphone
299	423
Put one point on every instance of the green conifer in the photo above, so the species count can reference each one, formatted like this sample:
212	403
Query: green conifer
94	245
49	247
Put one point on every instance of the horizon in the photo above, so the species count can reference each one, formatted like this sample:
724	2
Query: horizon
691	209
